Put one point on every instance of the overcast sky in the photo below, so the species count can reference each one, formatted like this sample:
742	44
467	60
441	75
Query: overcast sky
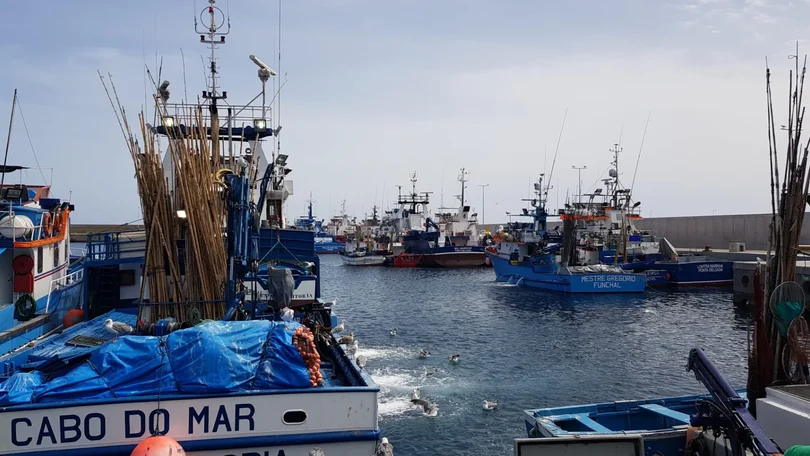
377	90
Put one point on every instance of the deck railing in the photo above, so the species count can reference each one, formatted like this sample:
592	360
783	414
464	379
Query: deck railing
62	282
114	246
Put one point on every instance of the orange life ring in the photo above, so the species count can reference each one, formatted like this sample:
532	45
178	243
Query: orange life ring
57	222
46	223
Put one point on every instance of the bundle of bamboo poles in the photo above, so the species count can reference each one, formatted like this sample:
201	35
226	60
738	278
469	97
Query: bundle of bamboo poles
174	292
789	195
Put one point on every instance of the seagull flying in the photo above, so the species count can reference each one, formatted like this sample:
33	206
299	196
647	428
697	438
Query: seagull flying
424	353
453	358
287	314
361	361
490	405
428	409
393	331
117	328
384	448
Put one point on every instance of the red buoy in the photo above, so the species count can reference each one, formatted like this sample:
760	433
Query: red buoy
72	317
158	446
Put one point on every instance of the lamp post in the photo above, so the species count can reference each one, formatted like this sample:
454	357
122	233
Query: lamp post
579	175
483	201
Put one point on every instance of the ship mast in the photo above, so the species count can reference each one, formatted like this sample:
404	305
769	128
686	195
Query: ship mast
462	177
209	35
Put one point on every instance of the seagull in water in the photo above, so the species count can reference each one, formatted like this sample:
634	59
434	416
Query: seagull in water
316	452
490	405
117	328
428	409
424	353
393	331
339	328
384	448
453	358
286	314
361	361
415	394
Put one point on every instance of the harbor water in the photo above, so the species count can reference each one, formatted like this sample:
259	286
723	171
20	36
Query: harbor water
524	348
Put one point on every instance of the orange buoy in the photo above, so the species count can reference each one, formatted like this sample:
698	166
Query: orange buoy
158	446
72	317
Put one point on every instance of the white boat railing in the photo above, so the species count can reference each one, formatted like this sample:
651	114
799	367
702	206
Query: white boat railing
62	282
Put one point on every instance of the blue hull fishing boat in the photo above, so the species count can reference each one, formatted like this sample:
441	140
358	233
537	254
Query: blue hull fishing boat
325	243
606	233
196	334
43	284
524	255
662	423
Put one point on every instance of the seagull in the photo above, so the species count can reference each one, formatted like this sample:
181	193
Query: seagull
117	328
316	452
430	372
329	304
428	409
339	328
361	361
352	350
415	394
424	353
346	340
287	314
393	331
384	448
453	358
490	405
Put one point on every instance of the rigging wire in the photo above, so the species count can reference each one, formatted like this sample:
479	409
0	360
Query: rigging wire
19	108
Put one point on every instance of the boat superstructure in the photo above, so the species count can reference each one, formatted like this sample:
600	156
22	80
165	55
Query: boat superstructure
325	243
241	364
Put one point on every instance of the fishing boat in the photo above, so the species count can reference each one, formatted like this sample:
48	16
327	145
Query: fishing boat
190	333
606	232
419	234
43	285
325	243
406	260
525	255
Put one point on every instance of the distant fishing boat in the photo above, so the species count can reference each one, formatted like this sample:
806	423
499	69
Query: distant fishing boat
524	255
406	260
325	243
606	233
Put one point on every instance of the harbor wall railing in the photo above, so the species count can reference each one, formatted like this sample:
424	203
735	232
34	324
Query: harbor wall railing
717	231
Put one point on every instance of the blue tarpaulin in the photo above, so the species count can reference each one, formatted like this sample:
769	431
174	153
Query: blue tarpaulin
214	357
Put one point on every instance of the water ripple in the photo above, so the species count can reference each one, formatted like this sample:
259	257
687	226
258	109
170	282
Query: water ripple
524	348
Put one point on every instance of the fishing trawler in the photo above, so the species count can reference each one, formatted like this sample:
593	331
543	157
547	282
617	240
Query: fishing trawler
43	285
192	331
325	243
528	255
606	232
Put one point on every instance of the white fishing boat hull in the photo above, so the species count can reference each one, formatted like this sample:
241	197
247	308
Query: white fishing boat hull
290	422
371	260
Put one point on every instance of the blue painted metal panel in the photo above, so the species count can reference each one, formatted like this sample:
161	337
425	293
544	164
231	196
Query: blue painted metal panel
542	276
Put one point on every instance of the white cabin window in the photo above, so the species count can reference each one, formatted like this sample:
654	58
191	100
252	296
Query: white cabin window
56	255
40	259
